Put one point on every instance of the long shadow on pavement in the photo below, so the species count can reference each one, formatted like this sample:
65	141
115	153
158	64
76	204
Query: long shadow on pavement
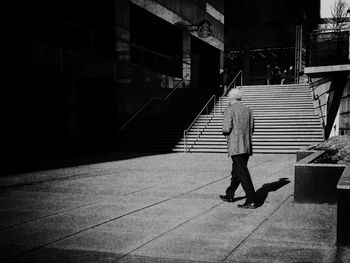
35	162
262	192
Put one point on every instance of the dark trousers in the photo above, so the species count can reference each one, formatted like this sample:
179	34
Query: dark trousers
240	175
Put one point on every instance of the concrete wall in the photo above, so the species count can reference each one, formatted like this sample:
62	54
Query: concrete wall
341	123
57	78
344	111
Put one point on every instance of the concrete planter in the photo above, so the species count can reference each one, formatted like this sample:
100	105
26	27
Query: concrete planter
343	215
304	152
315	182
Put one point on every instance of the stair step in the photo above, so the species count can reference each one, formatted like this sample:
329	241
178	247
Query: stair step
255	139
218	125
271	103
266	131
255	151
224	145
263	117
264	135
263	151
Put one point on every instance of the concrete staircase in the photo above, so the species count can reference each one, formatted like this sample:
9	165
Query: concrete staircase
285	121
162	132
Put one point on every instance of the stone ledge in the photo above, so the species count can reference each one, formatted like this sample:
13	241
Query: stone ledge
326	69
344	181
343	202
304	152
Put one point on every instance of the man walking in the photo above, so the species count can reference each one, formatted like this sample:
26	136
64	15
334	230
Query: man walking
238	127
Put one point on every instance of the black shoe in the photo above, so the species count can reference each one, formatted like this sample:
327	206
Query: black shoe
227	198
248	205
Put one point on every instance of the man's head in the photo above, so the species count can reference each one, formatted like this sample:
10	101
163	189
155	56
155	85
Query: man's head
234	94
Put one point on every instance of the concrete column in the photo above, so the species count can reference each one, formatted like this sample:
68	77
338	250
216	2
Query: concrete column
72	117
124	71
122	31
186	56
222	60
195	70
246	67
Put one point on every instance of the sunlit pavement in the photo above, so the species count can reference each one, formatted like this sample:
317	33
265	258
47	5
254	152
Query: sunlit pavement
163	208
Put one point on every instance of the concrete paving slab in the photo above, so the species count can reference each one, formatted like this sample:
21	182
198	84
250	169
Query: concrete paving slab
172	212
142	259
54	255
308	215
163	208
140	223
294	233
10	217
44	231
200	239
189	247
105	241
282	253
11	250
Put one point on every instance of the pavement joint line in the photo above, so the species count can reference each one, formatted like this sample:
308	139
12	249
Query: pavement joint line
138	191
113	219
169	230
256	228
50	215
62	178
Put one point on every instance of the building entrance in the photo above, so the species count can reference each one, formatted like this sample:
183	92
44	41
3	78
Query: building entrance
205	66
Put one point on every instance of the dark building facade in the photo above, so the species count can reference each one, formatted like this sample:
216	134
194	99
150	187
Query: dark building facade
261	33
157	45
74	72
58	71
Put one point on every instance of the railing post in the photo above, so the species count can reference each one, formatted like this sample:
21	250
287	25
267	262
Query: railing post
241	78
214	105
198	128
221	104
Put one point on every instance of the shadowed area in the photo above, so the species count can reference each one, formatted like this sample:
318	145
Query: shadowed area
262	193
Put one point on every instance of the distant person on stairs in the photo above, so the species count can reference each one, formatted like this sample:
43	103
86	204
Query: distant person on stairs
268	74
225	79
238	127
276	76
289	76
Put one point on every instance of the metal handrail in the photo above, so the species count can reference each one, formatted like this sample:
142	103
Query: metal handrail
186	131
313	85
149	102
228	88
234	82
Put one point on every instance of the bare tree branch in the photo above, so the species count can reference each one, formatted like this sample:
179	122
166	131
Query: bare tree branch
339	13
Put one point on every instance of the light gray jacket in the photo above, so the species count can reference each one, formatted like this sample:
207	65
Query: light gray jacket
238	126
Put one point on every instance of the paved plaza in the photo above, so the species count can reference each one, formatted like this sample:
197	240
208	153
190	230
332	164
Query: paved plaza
163	208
